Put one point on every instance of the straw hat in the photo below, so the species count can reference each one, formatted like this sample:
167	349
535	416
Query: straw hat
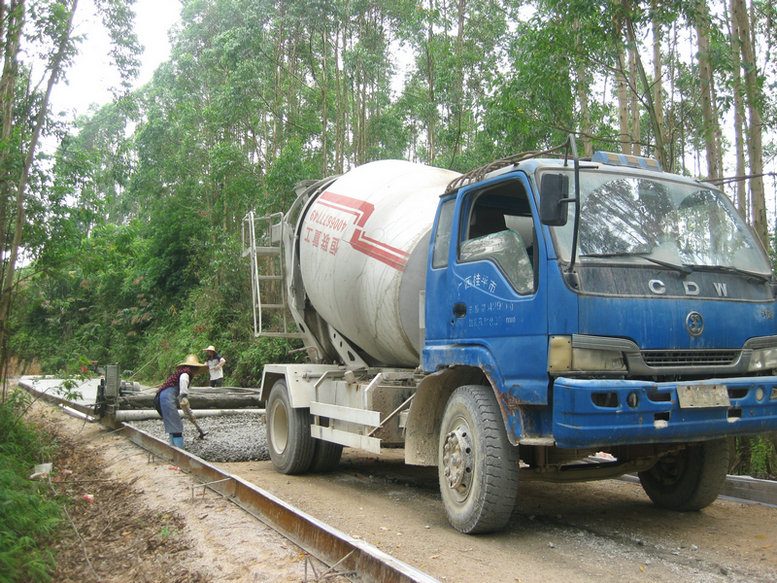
211	347
192	361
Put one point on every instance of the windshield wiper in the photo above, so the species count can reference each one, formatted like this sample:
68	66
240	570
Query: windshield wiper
736	270
644	255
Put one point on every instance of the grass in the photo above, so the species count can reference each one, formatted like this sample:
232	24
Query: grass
29	515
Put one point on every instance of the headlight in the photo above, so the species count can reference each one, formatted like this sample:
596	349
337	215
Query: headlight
763	359
564	357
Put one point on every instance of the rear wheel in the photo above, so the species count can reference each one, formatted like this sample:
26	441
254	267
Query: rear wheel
288	433
477	465
689	479
326	456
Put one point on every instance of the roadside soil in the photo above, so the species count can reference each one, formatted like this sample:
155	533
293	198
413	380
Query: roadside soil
134	518
145	522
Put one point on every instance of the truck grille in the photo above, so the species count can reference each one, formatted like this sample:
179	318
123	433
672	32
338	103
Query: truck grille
672	358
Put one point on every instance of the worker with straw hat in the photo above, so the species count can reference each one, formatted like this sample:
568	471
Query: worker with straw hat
175	388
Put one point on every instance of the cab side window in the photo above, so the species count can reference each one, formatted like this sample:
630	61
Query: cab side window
500	229
442	237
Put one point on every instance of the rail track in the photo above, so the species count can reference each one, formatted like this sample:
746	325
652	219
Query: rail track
353	554
329	545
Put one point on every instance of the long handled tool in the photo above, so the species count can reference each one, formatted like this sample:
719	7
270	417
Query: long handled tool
190	416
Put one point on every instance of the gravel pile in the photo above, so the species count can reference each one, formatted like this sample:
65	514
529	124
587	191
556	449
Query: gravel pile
230	438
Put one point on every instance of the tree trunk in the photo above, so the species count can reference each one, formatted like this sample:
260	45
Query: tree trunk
340	127
653	114
458	97
710	129
753	103
432	108
15	22
623	104
636	130
657	93
583	89
739	116
324	94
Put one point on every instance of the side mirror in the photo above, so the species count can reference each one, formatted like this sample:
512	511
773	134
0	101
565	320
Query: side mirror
554	199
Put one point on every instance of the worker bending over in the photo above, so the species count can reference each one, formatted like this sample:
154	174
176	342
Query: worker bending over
176	388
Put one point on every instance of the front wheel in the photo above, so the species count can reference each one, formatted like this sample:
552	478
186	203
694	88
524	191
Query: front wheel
477	465
689	479
288	433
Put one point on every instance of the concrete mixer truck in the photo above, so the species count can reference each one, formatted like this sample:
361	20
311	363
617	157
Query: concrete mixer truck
544	317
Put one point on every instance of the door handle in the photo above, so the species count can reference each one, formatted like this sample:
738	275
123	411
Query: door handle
459	309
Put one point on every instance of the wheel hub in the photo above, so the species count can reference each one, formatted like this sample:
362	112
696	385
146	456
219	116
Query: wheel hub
457	459
279	428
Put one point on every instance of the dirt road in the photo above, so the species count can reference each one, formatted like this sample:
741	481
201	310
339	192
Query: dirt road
602	531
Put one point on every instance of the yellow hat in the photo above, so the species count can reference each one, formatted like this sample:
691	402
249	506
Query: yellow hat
211	347
192	361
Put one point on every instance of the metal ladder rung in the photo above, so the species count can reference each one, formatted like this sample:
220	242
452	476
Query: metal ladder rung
269	244
262	251
265	251
282	335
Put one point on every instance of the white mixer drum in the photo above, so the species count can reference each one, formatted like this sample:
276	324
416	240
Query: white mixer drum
363	252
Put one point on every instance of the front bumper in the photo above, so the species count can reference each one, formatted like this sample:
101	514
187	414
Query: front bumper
601	412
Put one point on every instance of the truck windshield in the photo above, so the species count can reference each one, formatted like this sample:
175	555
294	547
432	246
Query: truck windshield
638	218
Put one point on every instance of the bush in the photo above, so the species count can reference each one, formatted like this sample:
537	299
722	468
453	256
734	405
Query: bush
754	456
28	515
248	368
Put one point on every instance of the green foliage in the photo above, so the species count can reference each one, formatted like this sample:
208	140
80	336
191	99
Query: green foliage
757	456
248	370
763	459
28	516
167	532
289	167
92	296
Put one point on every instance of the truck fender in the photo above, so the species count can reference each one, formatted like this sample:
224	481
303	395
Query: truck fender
300	380
422	434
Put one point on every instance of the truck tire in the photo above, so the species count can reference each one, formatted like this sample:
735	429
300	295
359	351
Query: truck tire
326	456
477	466
689	479
288	433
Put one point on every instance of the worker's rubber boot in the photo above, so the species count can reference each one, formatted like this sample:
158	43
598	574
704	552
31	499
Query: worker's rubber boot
176	440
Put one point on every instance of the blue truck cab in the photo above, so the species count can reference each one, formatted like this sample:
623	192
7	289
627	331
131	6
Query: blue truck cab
619	315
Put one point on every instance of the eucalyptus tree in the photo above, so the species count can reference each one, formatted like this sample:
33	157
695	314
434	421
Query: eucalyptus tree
556	58
458	53
34	33
742	32
703	25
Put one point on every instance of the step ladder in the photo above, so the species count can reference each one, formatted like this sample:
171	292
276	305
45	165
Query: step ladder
263	246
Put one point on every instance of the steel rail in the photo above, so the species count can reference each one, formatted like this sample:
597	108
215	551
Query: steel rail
317	538
312	535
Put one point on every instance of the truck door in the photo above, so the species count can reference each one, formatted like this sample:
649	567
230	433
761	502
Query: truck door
487	306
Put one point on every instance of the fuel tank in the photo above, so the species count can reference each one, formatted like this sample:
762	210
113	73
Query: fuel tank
363	246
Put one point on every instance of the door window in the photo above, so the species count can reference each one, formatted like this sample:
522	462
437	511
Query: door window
500	229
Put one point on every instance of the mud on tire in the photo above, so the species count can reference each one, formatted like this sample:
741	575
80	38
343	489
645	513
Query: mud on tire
477	465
